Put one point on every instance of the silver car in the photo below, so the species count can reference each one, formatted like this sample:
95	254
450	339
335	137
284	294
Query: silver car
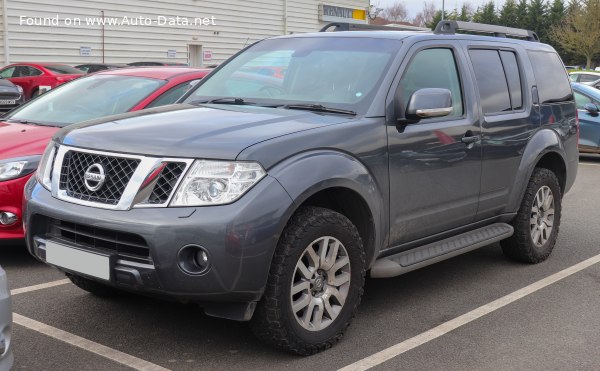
6	357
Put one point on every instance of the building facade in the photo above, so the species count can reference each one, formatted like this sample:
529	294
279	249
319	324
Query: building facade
195	32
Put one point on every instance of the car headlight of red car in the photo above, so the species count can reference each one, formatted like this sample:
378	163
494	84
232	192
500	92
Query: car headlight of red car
13	168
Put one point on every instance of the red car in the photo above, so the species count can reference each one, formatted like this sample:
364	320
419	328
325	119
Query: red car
26	131
35	78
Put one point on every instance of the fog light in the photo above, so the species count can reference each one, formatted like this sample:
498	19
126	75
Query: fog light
7	218
193	259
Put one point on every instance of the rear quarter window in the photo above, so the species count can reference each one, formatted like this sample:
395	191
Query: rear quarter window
550	76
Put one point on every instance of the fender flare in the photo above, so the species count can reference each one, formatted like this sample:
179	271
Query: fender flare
543	142
307	173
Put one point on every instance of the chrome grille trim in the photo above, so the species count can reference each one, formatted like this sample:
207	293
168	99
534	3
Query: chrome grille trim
128	198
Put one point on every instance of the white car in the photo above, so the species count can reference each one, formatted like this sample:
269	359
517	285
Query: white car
6	356
585	77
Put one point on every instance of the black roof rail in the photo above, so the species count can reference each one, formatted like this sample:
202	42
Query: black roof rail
450	28
344	26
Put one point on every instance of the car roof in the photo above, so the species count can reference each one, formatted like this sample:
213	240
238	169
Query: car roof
163	72
586	72
419	36
586	89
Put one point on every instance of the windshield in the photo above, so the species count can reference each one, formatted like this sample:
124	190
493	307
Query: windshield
62	69
85	99
337	72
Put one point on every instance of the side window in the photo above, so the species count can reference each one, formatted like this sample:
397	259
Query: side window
32	71
550	77
491	81
581	100
172	95
7	72
21	71
513	76
587	78
432	68
84	68
573	77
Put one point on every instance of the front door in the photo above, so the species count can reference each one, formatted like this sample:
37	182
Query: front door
589	123
434	171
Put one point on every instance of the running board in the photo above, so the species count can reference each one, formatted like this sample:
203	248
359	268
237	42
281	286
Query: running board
419	257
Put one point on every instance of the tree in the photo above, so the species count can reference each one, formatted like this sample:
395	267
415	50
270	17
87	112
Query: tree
556	16
486	14
522	14
536	18
508	14
466	13
580	32
425	16
396	12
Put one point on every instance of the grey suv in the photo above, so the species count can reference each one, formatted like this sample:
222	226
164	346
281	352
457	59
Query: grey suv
6	356
269	197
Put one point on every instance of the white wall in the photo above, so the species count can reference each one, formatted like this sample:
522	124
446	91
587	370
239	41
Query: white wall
238	22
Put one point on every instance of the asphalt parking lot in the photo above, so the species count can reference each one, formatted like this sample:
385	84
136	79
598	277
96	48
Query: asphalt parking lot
554	325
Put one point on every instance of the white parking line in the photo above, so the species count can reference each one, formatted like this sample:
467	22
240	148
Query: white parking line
41	286
91	346
444	328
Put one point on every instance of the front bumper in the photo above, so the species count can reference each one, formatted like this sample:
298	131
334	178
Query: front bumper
11	200
240	239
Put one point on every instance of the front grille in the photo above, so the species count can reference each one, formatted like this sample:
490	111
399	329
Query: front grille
118	173
166	182
127	245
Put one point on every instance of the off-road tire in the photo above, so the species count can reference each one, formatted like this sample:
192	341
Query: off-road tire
520	245
274	321
93	287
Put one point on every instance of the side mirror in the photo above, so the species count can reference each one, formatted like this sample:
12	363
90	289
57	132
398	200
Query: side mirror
591	108
429	102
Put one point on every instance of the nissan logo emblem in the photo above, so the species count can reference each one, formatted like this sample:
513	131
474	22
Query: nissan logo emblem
94	177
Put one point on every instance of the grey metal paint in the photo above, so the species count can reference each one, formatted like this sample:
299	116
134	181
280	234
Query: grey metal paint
240	238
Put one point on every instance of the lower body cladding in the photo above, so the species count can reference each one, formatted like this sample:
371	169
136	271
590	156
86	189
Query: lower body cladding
217	256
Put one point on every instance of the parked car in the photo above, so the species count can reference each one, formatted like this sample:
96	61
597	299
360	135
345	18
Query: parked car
268	199
587	99
11	95
36	78
573	67
25	132
585	77
155	64
96	67
6	356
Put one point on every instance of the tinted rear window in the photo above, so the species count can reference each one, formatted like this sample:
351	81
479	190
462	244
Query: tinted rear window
550	76
63	70
511	68
493	88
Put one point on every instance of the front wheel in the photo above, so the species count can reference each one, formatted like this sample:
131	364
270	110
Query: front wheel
537	222
315	283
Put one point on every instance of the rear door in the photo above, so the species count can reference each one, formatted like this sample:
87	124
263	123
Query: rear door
434	175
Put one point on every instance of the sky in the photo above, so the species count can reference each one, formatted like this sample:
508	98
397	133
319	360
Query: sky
415	6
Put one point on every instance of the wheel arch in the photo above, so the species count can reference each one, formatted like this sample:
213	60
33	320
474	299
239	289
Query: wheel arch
340	182
544	150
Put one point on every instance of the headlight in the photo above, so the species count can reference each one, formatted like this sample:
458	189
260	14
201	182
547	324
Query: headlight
45	167
217	182
17	167
19	89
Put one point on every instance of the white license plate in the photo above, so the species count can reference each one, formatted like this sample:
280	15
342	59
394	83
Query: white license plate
5	101
78	260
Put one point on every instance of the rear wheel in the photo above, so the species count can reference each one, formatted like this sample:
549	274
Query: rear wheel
315	283
93	287
537	222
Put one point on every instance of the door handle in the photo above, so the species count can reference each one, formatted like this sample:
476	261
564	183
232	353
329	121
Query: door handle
469	138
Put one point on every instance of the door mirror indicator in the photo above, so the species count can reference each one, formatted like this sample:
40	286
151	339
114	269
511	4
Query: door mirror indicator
429	102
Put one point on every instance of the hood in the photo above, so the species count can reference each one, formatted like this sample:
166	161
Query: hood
182	130
18	140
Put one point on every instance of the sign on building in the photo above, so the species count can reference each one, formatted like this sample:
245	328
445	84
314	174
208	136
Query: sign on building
207	55
85	51
333	13
171	53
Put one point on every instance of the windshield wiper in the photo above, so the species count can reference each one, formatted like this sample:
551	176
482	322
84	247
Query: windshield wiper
319	108
26	122
224	100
